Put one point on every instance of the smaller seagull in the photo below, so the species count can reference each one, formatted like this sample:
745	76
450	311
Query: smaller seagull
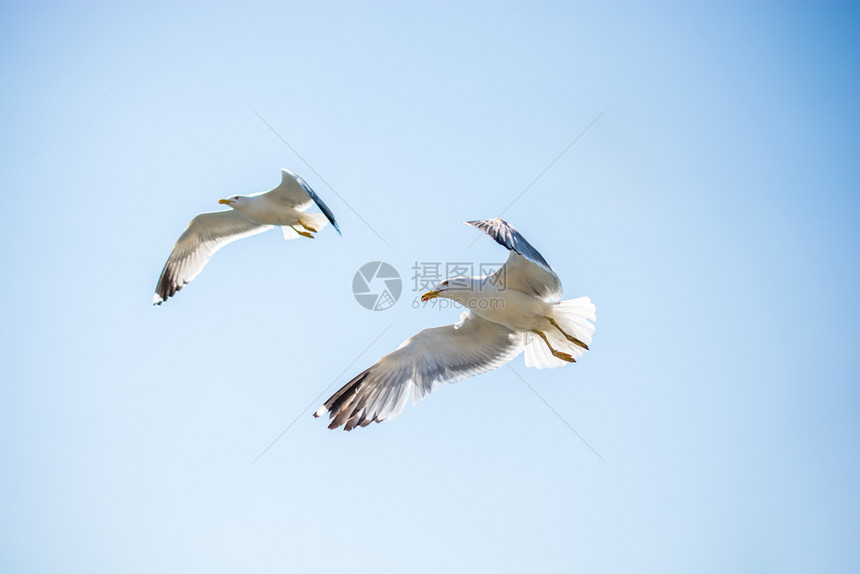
283	206
516	308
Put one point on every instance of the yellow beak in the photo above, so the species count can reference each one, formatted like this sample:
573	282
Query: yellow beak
429	295
226	201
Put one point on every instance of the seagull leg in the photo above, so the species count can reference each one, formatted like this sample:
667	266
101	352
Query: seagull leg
308	227
570	338
557	354
302	233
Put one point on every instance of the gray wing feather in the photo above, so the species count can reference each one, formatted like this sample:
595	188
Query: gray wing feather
507	236
206	234
432	357
525	270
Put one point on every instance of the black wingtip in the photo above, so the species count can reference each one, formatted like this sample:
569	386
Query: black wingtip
339	406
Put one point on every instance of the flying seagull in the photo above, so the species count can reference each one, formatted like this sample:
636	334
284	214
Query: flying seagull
509	311
283	206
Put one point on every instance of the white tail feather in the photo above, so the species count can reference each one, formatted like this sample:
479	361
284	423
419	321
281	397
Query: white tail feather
314	220
538	355
574	316
289	232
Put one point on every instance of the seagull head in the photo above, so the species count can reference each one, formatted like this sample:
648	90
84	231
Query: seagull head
456	288
235	201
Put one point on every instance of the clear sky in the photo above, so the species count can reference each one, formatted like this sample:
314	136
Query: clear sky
711	213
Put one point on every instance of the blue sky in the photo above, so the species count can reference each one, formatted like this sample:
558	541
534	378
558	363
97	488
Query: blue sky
710	213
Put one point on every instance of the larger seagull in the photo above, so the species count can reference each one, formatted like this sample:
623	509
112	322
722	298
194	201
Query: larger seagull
516	308
284	206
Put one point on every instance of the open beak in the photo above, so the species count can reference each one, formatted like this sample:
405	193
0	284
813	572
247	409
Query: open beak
226	201
429	295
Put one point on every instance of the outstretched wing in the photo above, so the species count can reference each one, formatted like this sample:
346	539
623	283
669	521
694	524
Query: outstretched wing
432	357
296	193
525	270
206	234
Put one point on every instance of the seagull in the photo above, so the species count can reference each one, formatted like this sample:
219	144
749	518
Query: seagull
283	206
516	308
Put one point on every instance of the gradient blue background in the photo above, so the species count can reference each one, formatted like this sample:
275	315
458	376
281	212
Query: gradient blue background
711	213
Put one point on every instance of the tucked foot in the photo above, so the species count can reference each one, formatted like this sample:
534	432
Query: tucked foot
303	233
570	338
555	353
308	227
